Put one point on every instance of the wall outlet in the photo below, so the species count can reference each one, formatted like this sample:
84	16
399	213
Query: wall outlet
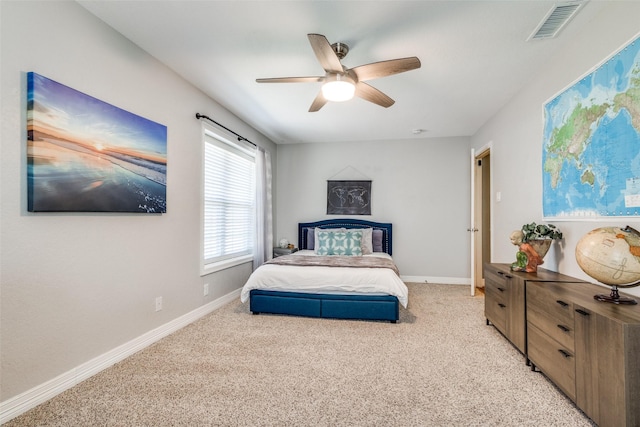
158	303
206	289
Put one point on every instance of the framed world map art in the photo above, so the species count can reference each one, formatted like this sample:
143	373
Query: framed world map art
591	143
349	197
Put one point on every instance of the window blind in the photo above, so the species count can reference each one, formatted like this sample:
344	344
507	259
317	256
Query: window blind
229	200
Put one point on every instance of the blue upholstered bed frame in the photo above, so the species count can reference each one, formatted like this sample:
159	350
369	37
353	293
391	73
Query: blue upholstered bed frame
360	307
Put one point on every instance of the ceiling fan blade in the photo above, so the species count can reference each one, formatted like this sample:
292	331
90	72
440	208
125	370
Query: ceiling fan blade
317	103
325	54
386	68
291	80
372	94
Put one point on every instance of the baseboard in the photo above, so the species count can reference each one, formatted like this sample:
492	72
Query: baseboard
21	403
441	280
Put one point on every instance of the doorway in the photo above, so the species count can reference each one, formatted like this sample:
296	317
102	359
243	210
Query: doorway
481	218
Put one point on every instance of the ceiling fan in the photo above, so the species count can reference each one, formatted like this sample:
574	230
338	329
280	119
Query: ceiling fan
341	83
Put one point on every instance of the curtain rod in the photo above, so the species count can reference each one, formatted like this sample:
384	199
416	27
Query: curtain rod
240	137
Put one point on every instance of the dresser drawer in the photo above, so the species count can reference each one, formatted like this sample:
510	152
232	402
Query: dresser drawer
495	280
505	303
548	311
557	362
496	292
495	310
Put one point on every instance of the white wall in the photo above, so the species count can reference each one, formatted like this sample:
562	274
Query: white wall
419	185
75	286
516	133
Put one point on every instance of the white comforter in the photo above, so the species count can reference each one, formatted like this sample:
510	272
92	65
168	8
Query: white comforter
327	279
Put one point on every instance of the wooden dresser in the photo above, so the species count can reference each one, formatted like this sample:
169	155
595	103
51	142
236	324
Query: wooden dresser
504	304
589	349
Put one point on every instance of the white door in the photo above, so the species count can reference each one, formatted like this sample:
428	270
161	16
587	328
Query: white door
472	223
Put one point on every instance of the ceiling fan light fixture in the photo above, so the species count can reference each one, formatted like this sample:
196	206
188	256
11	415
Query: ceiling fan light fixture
341	83
338	88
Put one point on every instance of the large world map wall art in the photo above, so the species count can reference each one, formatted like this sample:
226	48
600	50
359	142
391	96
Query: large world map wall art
84	155
591	143
348	197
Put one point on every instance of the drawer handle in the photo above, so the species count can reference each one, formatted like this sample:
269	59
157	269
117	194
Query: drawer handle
500	289
584	313
501	305
564	353
508	276
562	303
563	328
500	273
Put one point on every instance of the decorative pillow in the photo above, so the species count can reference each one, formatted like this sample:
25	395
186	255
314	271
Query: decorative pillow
367	241
311	233
339	243
377	241
315	235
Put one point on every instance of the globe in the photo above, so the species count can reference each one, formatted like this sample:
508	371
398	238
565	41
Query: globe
611	255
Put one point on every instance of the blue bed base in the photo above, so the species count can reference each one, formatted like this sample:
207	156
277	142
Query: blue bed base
355	307
358	307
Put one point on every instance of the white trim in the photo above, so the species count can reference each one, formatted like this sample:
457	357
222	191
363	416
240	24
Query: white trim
439	280
492	208
229	139
217	137
223	265
481	153
472	224
21	403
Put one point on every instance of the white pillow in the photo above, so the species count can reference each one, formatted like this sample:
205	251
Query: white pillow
367	241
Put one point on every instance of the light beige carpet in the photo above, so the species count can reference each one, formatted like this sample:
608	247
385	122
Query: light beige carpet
440	366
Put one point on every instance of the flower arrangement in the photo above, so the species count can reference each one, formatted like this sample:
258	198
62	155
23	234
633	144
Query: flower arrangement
535	231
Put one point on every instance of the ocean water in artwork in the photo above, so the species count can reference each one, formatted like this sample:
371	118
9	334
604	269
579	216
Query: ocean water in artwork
67	177
84	155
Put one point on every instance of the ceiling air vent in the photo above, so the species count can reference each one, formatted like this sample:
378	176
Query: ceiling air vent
556	19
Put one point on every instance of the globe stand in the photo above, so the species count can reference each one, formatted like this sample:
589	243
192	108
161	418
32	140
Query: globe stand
614	297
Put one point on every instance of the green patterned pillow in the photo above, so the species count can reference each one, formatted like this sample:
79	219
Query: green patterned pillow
339	243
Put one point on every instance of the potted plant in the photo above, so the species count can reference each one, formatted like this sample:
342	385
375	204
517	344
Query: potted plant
540	236
534	241
535	231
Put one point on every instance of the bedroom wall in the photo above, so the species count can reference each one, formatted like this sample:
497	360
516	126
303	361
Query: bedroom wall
516	134
75	286
420	185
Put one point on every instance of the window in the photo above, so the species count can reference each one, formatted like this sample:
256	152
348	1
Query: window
228	202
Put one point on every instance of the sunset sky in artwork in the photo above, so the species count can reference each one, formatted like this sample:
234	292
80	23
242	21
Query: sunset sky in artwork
63	112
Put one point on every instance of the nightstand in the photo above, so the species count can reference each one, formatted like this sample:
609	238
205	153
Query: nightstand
283	251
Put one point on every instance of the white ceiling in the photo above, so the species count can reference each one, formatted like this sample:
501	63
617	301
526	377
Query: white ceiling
474	56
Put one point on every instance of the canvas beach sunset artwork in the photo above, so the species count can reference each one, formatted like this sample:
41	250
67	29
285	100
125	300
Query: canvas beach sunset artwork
85	155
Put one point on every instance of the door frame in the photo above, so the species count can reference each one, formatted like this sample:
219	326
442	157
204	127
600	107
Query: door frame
476	200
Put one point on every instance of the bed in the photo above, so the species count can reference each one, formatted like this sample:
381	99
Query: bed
366	287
